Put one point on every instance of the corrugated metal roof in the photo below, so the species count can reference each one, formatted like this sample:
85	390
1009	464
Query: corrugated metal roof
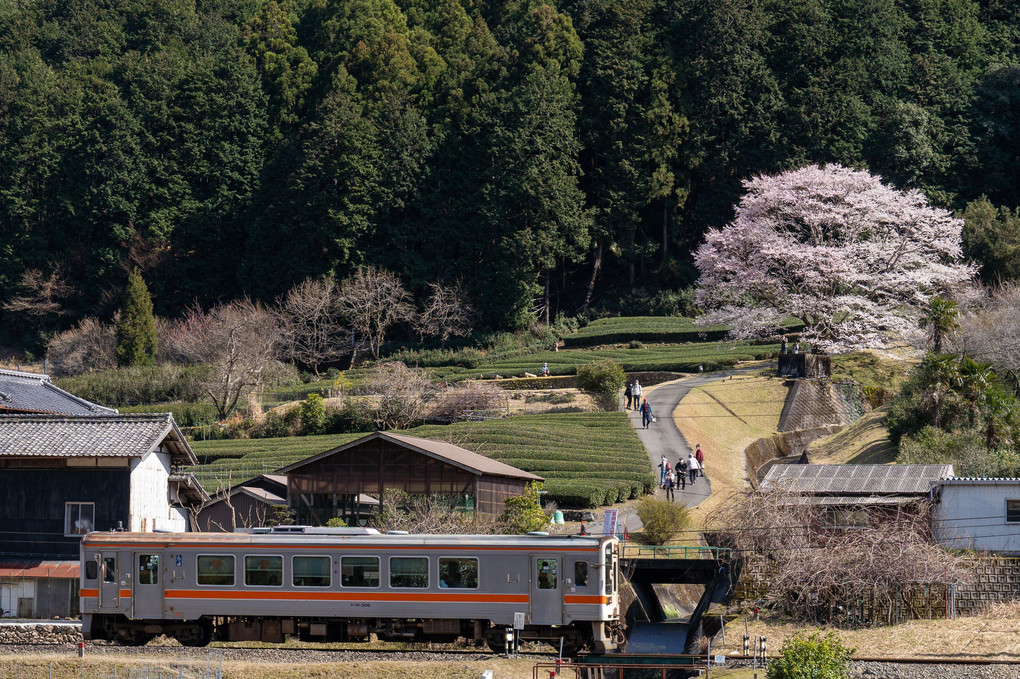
855	479
843	500
35	393
455	455
40	569
92	436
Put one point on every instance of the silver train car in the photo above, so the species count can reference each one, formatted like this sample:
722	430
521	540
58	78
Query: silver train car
328	584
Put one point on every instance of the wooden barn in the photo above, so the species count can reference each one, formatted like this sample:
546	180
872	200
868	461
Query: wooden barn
336	482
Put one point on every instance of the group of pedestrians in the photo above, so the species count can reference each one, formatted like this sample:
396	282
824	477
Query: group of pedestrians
635	402
688	469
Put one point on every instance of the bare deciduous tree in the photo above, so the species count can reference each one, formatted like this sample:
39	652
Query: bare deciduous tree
428	514
405	394
238	341
818	562
990	329
461	400
373	300
313	329
90	345
41	294
447	314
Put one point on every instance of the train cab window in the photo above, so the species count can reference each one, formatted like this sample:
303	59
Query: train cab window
359	571
461	573
91	570
110	569
546	573
409	572
610	571
312	571
581	573
216	570
263	571
148	569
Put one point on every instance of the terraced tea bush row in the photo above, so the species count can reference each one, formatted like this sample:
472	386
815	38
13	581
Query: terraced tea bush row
589	459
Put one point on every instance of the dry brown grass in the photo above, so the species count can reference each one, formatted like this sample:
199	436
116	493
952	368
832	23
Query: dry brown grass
969	637
67	666
866	441
725	417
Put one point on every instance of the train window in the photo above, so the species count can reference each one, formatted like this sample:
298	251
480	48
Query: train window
359	571
409	572
581	573
216	570
91	570
263	571
459	573
546	573
610	571
148	569
312	571
110	569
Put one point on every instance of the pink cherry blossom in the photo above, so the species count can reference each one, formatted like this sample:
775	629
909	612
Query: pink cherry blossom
852	258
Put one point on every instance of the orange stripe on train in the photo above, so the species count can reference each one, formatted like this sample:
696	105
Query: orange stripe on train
441	597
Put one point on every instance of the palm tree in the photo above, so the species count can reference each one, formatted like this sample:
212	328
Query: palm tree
941	320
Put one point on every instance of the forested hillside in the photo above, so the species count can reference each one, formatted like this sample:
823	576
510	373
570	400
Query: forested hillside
548	157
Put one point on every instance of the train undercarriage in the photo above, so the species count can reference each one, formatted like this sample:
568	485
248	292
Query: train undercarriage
595	636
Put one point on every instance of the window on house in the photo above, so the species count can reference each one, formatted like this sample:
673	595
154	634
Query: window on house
1012	511
79	518
409	572
216	570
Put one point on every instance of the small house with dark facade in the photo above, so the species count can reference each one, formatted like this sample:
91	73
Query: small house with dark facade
244	505
335	483
63	476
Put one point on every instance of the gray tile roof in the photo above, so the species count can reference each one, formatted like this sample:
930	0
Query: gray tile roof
92	436
855	479
34	393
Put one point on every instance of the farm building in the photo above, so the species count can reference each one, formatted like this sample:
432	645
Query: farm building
62	476
849	495
978	514
336	482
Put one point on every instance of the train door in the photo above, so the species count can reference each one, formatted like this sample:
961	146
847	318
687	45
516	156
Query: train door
147	595
109	585
546	591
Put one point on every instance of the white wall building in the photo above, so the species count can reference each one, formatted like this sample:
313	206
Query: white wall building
978	514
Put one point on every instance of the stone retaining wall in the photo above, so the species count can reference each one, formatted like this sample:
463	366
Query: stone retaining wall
39	633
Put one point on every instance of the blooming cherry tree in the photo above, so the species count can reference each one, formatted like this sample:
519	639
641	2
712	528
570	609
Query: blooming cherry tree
852	258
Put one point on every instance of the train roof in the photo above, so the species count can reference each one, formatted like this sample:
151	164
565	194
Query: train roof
336	538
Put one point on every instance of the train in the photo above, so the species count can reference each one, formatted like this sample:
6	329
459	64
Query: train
345	584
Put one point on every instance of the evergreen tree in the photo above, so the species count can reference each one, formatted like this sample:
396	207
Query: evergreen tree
136	332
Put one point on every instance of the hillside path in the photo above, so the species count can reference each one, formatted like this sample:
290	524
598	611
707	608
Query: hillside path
663	437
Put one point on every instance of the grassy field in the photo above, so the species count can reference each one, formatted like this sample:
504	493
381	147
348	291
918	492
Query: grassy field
725	417
650	329
866	441
587	459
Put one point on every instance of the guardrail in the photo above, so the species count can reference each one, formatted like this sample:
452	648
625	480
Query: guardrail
634	551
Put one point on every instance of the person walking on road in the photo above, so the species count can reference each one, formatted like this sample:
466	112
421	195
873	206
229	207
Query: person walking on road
646	413
670	484
693	466
663	469
629	393
681	473
700	457
636	391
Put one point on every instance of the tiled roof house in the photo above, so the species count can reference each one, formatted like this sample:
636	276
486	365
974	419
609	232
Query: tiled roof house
24	392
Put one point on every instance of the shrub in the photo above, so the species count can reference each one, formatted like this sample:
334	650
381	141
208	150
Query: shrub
603	380
523	512
313	414
89	346
336	522
185	414
162	383
355	416
812	657
663	520
136	332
